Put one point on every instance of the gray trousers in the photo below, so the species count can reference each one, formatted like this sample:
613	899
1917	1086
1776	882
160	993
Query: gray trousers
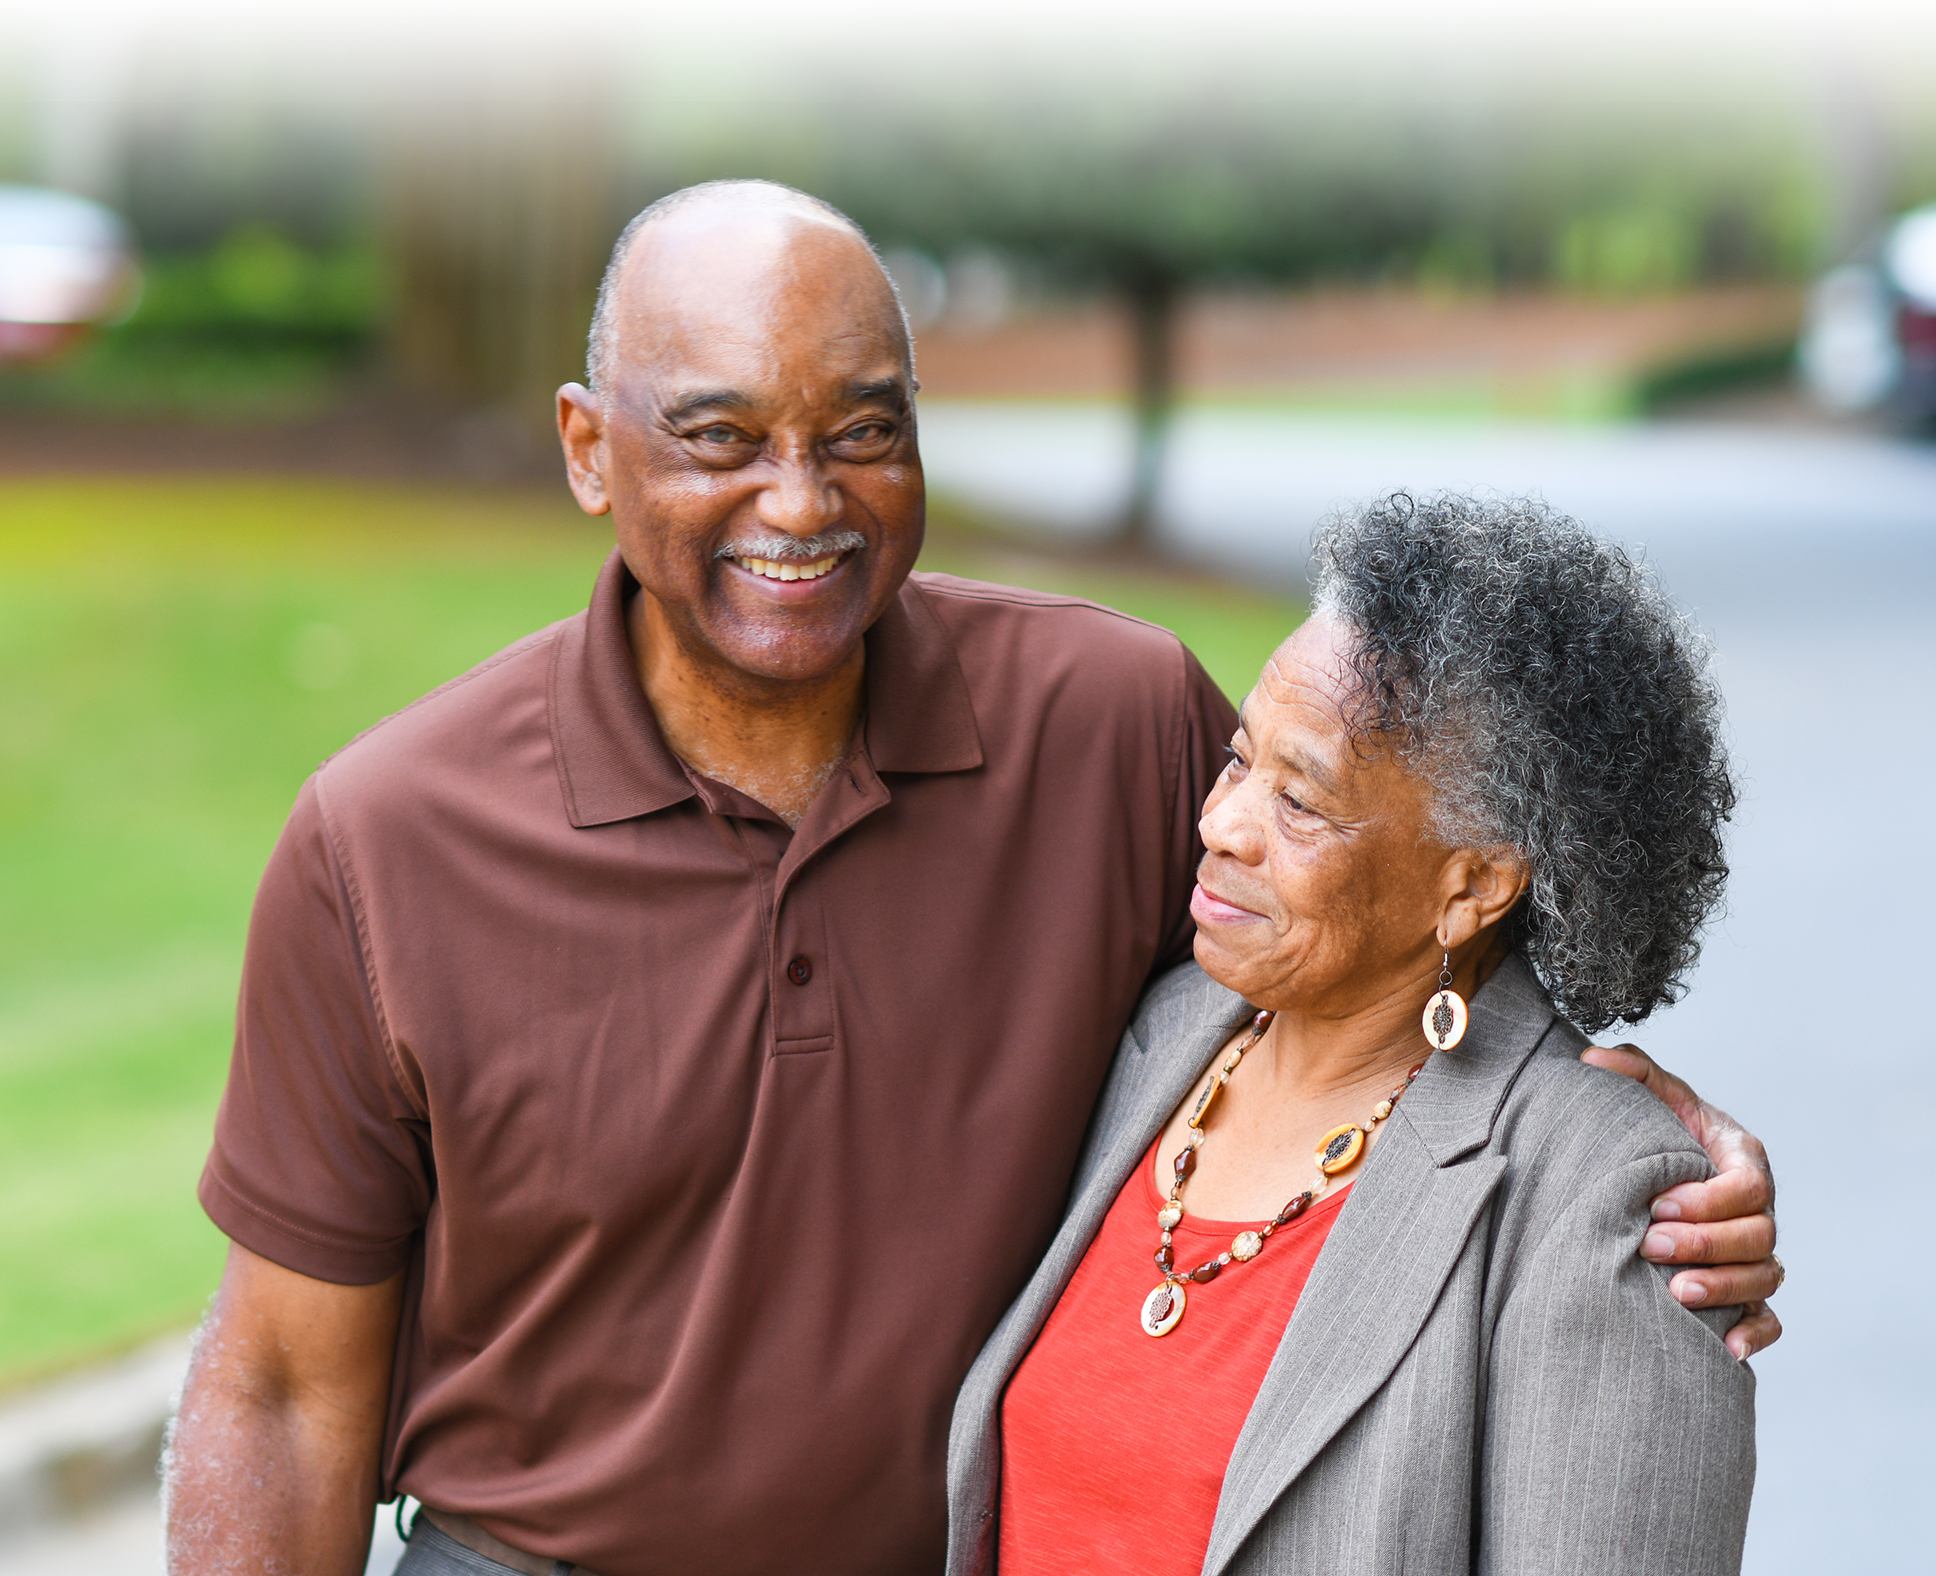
432	1553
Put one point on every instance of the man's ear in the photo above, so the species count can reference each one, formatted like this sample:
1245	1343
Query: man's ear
581	432
1481	885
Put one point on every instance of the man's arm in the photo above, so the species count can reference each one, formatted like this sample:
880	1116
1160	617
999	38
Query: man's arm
1726	1224
272	1462
1208	720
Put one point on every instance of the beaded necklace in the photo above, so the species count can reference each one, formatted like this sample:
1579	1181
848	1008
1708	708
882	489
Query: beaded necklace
1337	1151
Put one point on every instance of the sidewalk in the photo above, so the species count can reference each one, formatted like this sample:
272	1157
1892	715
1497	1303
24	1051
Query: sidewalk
78	1456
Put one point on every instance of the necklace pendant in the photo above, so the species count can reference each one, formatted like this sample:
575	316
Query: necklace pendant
1162	1309
1339	1148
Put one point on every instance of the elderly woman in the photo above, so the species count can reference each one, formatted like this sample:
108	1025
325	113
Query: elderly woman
1348	1283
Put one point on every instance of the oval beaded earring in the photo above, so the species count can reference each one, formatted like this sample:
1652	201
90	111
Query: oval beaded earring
1444	1020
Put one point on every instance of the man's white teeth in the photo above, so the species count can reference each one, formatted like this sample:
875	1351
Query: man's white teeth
773	569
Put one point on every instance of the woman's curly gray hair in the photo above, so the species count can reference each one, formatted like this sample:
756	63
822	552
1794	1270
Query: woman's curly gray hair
1559	704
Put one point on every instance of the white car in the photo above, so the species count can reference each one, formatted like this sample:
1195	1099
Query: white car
66	264
1869	337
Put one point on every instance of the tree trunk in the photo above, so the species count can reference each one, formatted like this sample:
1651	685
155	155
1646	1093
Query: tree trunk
1851	121
498	204
1153	301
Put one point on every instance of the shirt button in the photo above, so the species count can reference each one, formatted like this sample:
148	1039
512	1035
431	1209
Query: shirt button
800	970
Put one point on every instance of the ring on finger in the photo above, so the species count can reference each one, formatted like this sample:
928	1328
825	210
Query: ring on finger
1781	1271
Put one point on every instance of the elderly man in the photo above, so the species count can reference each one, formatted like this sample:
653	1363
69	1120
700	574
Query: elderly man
663	1051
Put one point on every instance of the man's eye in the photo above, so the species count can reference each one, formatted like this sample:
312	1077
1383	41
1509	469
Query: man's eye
1234	767
716	435
868	433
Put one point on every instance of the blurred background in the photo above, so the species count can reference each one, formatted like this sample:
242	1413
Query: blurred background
284	299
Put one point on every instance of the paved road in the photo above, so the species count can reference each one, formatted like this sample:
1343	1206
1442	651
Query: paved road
1811	559
124	1539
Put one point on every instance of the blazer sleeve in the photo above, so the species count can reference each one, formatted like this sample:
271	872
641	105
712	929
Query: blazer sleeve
1619	1430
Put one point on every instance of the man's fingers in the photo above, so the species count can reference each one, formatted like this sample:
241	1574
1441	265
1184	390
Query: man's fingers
1726	1285
1630	1061
1745	1240
1743	1190
1732	1147
1758	1330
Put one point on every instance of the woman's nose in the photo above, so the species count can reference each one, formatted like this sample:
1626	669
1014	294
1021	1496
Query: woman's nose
1229	826
800	499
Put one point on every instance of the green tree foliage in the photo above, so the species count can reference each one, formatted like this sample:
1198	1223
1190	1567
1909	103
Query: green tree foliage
497	216
248	115
1644	144
1147	140
18	59
1871	68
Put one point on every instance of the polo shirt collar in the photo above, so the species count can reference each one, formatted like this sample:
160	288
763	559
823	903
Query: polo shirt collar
920	717
614	764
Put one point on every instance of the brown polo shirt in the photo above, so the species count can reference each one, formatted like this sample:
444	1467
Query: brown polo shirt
713	1150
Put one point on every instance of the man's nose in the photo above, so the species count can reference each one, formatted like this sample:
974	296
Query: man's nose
800	499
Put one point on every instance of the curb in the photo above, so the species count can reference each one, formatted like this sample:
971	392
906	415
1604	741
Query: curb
71	1445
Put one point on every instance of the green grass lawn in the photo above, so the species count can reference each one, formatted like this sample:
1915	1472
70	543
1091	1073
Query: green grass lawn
175	657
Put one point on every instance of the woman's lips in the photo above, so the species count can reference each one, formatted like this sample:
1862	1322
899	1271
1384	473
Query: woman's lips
1206	908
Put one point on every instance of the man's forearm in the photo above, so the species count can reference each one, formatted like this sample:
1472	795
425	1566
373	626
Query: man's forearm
253	1484
272	1460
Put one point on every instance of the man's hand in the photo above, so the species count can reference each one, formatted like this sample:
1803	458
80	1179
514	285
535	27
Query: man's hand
1725	1224
272	1462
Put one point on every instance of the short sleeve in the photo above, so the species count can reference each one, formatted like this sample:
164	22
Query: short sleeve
1208	722
320	1161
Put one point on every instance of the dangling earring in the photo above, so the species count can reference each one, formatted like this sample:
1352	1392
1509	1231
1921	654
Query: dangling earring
1445	1013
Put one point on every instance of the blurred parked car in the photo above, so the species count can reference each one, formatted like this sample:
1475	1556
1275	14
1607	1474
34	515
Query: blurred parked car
66	264
1869	338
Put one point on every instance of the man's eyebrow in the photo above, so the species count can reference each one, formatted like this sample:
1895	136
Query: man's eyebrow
689	405
892	388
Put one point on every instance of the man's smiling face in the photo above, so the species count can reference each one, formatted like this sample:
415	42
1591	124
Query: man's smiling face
758	447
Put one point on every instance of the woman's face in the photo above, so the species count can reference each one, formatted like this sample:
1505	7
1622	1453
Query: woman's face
1323	883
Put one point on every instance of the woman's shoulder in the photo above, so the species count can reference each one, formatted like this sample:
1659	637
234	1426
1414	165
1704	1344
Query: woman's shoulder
1183	1017
1178	1007
1566	1123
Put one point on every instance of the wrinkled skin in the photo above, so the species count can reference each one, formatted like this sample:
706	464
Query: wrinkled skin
754	681
763	409
1321	897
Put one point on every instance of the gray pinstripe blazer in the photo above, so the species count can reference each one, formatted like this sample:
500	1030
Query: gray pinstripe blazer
1480	1374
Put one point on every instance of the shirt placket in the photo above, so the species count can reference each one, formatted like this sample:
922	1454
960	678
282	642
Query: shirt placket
802	988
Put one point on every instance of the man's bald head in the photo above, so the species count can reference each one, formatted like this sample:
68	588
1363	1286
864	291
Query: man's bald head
754	420
719	204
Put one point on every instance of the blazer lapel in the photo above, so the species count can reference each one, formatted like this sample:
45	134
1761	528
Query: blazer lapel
1183	1022
1387	1258
1374	1284
1164	1053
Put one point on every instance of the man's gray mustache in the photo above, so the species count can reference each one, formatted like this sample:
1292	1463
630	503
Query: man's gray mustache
794	549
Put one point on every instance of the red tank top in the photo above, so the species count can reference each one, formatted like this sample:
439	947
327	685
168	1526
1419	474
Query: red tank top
1114	1444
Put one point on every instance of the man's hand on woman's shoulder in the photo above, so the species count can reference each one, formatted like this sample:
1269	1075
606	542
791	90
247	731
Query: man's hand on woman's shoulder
1725	1225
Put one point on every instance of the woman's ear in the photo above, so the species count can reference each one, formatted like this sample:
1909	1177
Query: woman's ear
1479	889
